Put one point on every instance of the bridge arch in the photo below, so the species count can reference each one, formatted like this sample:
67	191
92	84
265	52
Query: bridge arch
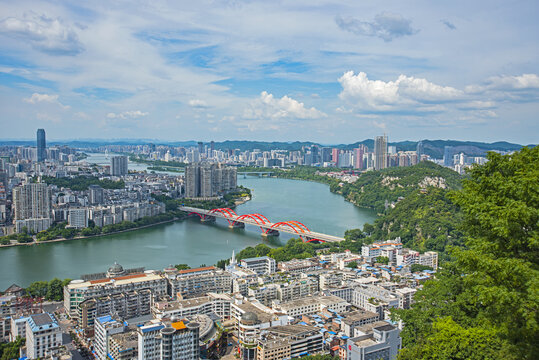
285	223
300	225
224	211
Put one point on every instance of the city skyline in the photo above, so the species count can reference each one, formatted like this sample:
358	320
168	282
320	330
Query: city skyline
326	72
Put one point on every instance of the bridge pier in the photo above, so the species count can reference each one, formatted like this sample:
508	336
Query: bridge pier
271	232
237	225
208	219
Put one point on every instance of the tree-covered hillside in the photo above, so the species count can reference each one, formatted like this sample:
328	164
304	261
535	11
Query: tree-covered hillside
424	220
376	189
484	303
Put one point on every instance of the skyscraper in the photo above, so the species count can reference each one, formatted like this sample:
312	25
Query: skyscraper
200	147
118	165
95	194
358	157
380	152
208	180
448	156
41	145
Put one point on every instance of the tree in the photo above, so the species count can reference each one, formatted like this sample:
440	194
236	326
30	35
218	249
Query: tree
451	341
419	267
352	265
182	267
491	289
55	290
382	260
9	351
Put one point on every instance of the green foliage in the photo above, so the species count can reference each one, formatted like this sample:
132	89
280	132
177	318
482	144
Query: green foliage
81	183
382	260
419	267
374	188
491	289
50	290
182	267
352	264
425	221
451	341
354	234
10	350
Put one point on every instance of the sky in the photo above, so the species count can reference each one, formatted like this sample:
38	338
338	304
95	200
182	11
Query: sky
308	70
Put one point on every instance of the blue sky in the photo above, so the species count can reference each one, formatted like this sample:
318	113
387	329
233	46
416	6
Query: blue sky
326	71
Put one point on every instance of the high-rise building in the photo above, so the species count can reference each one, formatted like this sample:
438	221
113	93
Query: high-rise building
118	165
32	204
448	156
335	156
41	145
95	194
212	147
380	152
200	147
358	157
208	180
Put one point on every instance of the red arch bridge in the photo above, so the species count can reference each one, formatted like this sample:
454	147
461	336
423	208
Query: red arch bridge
267	227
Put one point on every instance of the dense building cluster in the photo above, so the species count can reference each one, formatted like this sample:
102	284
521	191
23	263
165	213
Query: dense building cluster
334	303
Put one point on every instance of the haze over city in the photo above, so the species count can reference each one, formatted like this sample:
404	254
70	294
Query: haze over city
324	71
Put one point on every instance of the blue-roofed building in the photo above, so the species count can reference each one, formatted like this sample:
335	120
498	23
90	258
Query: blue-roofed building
43	335
105	326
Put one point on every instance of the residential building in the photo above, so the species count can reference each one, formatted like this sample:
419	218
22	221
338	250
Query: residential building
78	218
123	346
380	152
43	335
173	340
105	326
260	265
356	319
32	203
199	281
218	304
376	341
311	305
95	195
79	290
118	165
125	305
289	341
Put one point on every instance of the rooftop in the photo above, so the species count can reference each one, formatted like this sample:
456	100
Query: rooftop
40	322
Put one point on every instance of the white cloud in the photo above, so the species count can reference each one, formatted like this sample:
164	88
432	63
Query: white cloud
36	98
269	107
127	115
45	34
197	103
45	98
386	26
381	95
507	83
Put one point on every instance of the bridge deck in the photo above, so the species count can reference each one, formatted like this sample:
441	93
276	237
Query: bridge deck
266	225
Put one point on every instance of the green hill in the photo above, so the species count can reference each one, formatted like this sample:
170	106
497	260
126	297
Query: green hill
381	190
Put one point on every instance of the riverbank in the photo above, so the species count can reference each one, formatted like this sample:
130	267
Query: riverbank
240	201
80	237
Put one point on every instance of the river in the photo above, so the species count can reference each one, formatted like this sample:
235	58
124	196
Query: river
187	241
